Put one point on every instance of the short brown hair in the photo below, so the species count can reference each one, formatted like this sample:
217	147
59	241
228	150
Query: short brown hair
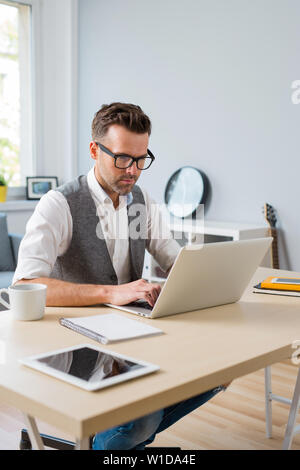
127	115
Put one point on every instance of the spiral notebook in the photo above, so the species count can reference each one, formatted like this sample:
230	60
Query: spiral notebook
258	289
109	327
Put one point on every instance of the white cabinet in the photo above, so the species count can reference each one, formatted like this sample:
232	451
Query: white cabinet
208	231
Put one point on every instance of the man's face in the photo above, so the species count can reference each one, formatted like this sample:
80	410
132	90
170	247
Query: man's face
119	141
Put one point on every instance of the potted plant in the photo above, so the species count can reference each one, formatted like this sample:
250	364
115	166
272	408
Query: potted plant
3	189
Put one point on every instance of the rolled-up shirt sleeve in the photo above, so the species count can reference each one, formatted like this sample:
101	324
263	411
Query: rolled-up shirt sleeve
160	243
48	235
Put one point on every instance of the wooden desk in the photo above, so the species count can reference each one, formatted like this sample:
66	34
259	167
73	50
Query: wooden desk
199	350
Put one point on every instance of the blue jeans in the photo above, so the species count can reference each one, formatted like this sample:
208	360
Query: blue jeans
141	432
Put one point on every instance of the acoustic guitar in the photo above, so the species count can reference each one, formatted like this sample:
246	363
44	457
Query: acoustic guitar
270	217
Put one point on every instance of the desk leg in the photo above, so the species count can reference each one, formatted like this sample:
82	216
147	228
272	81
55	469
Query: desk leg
82	444
268	401
33	432
290	428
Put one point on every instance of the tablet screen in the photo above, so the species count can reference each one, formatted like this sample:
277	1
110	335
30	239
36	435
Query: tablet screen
89	364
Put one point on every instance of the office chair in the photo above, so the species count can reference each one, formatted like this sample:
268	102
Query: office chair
63	444
48	441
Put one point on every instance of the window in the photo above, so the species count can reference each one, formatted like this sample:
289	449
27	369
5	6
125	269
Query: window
16	152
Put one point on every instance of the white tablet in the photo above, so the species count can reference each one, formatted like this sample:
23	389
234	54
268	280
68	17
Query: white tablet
88	366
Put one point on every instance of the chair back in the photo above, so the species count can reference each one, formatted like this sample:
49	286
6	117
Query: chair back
7	260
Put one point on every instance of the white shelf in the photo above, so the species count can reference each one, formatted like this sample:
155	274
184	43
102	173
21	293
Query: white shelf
17	205
224	229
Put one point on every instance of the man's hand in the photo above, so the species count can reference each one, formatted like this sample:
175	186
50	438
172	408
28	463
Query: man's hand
141	289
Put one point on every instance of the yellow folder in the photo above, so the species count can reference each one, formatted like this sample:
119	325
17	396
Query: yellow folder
267	284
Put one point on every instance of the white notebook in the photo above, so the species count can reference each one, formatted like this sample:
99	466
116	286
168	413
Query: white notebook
109	327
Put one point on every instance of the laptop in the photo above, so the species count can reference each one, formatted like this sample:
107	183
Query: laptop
205	276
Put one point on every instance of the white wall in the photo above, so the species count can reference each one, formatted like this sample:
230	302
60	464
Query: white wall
56	81
215	78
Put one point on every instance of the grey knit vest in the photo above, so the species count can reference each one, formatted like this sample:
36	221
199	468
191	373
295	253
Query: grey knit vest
87	259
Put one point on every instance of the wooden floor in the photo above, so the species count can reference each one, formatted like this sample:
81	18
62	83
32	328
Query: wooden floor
232	420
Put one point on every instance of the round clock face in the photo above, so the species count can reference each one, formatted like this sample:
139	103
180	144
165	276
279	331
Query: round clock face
186	189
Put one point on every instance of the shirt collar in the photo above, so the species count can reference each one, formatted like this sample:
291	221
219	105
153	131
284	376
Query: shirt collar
99	192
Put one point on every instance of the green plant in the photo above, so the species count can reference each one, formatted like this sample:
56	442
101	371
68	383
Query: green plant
9	162
2	181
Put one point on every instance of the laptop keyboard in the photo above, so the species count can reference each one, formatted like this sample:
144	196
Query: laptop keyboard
142	304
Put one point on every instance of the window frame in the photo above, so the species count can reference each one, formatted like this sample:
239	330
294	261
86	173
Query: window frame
60	159
28	99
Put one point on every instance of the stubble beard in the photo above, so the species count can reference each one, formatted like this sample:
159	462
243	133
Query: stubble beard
121	188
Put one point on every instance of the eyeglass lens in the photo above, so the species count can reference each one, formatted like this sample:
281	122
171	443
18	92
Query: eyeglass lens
125	162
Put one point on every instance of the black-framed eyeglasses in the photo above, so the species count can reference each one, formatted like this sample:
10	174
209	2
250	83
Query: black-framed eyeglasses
122	160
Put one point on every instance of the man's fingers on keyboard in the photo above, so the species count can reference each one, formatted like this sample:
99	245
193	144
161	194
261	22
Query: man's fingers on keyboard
148	298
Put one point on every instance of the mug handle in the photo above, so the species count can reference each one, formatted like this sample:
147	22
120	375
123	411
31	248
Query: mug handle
2	301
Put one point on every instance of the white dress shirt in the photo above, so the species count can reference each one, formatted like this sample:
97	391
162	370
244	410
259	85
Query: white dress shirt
49	233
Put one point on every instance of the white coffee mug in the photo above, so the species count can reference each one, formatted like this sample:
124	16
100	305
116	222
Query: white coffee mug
26	301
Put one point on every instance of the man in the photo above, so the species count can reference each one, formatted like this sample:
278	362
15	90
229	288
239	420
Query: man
82	243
